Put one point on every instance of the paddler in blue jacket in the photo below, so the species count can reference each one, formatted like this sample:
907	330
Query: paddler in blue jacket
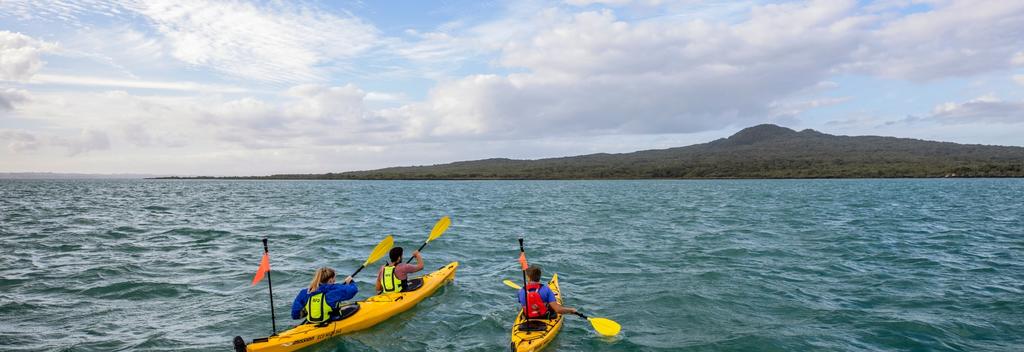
319	302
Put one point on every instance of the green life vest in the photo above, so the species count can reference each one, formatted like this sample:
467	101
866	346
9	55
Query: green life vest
317	309
389	282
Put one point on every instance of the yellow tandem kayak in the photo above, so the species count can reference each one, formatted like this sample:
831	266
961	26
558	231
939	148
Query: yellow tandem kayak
370	312
536	334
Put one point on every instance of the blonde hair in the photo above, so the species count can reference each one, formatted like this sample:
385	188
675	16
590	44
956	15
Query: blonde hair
322	276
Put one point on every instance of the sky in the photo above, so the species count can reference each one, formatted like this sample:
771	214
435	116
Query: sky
267	87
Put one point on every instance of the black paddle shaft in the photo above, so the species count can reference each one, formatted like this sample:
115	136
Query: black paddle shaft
418	250
357	271
522	251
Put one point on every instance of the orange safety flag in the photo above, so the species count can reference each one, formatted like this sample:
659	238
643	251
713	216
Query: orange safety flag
522	260
264	268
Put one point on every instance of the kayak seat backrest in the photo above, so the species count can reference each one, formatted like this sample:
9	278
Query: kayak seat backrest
412	284
347	310
534	325
342	312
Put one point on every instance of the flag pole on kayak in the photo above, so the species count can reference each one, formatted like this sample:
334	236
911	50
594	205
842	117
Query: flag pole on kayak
522	262
439	229
265	270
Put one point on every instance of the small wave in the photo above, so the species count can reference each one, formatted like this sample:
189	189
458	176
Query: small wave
85	221
129	229
136	291
730	252
6	283
157	208
194	232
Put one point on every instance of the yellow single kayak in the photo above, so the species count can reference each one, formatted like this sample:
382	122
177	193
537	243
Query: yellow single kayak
533	335
367	313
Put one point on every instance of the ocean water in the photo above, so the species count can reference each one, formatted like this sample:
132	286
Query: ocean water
745	265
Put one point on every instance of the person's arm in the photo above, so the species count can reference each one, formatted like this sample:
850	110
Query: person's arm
549	297
297	306
419	261
341	292
558	308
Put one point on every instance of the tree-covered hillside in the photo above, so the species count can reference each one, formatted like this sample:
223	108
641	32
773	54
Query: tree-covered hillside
763	151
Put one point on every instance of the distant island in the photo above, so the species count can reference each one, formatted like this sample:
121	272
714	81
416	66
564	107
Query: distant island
763	151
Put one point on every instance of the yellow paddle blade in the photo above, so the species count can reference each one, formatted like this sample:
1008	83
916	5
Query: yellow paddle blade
382	248
511	284
605	327
439	228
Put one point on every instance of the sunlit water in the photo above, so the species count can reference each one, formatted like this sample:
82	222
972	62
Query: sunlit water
790	265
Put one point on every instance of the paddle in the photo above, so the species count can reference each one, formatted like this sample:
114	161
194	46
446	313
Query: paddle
378	252
439	229
603	326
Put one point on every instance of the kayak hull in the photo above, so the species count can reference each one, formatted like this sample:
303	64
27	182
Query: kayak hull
371	312
532	341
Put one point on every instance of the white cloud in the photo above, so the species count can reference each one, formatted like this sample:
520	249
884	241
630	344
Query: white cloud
794	108
1018	59
593	73
86	140
271	42
19	141
11	96
985	109
307	115
277	42
1019	79
954	38
341	106
300	117
132	83
19	56
608	2
384	97
122	47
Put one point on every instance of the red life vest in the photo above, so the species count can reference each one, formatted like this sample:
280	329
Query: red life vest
535	306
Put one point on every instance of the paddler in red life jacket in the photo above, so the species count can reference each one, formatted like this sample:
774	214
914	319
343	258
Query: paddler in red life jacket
394	276
319	302
538	300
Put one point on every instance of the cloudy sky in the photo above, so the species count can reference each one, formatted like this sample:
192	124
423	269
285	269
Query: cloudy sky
253	88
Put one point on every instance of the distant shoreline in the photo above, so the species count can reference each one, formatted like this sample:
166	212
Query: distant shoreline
263	178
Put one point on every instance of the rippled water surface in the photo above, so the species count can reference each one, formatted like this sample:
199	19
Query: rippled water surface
791	265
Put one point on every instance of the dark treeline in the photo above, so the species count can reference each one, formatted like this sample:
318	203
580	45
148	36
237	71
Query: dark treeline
764	151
